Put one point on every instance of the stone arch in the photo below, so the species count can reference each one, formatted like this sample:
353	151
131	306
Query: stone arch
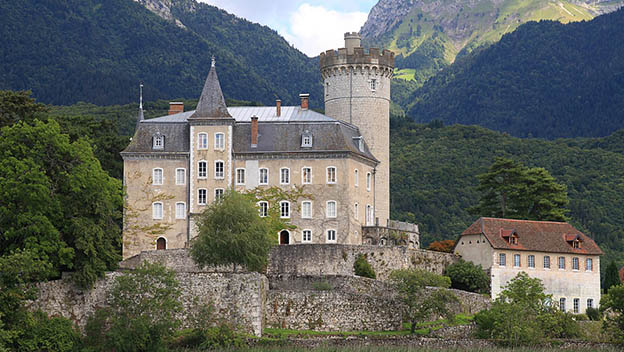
161	243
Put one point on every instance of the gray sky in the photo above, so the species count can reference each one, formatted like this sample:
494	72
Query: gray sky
311	26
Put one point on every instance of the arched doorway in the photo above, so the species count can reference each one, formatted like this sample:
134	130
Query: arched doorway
284	237
161	244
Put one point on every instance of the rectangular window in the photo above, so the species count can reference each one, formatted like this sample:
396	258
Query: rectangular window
306	236
589	264
368	181
576	303
331	209
517	260
561	263
590	303
356	178
284	176
240	176
202	169
263	209
306	175
369	215
180	210
202	141
201	197
373	84
575	263
219	173
531	261
562	306
284	209
306	141
306	209
502	259
157	211
218	193
219	143
157	176
158	142
331	174
331	235
356	211
264	176
180	176
546	262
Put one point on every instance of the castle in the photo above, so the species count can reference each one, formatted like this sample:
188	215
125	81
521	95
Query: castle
176	165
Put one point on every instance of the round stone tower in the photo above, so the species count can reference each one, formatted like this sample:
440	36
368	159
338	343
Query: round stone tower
357	91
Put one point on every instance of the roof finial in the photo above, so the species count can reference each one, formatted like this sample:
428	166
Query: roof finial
213	61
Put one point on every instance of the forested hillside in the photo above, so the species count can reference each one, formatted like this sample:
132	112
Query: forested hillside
434	169
546	80
99	50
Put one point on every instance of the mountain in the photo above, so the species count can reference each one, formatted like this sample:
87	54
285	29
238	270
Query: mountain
98	51
546	79
429	35
435	167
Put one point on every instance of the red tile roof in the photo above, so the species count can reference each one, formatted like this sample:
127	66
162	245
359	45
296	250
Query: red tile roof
540	236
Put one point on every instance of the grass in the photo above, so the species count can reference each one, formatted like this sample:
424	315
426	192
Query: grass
405	74
405	349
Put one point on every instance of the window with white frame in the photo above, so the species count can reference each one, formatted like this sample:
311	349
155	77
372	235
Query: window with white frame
202	169
356	178
331	174
331	209
219	142
202	141
240	176
157	210
157	176
306	209
531	261
202	197
589	264
306	236
369	215
219	172
180	176
517	260
284	176
306	175
180	210
368	181
331	235
502	259
575	263
263	209
561	263
546	262
576	303
284	209
158	141
356	211
264	176
219	194
306	140
562	304
590	303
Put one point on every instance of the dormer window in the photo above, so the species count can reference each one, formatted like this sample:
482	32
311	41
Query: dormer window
574	240
158	141
306	140
511	236
359	141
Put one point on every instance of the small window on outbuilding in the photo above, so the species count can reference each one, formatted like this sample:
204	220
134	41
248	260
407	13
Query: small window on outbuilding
158	141
306	139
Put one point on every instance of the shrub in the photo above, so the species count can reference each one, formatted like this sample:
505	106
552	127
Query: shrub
222	336
593	313
49	334
468	277
363	268
445	246
322	286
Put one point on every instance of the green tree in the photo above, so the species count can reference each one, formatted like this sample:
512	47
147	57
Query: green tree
232	232
614	301
511	190
612	276
18	106
362	267
468	277
418	304
143	312
58	204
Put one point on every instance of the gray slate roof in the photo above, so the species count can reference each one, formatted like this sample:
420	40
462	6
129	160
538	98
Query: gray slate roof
176	138
211	103
264	113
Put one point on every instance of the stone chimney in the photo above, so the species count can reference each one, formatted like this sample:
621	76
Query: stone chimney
176	107
352	41
304	101
254	131
278	108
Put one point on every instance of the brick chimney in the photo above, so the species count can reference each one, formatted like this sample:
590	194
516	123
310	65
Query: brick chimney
176	107
304	101
254	131
278	107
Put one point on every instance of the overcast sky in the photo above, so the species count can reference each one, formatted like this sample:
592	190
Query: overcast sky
311	26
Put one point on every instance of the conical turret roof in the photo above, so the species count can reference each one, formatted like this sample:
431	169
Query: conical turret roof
211	103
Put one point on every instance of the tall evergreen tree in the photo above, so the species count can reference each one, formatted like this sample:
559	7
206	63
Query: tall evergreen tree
612	277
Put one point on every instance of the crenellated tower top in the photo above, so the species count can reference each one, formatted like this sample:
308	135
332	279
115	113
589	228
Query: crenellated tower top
353	56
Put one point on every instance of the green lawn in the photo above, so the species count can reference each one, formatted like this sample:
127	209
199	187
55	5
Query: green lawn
405	74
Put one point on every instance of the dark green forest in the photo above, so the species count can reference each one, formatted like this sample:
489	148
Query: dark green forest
98	51
545	79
